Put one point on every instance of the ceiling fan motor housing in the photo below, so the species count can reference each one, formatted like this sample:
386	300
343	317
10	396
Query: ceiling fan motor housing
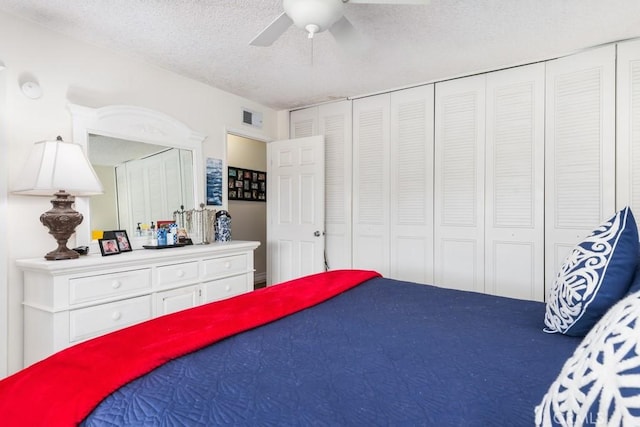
313	16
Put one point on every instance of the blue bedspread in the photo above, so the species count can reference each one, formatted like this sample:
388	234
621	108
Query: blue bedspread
385	353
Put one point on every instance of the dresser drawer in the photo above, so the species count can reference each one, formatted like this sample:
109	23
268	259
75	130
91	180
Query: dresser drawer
85	289
225	288
217	267
90	322
177	273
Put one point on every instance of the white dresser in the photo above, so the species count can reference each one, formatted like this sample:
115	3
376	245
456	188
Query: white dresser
66	302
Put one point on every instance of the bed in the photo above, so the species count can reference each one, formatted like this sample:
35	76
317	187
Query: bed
340	348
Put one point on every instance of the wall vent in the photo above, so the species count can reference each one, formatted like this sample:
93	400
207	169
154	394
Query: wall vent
252	118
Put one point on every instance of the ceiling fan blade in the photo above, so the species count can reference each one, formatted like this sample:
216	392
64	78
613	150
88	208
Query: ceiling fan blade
273	31
423	2
348	37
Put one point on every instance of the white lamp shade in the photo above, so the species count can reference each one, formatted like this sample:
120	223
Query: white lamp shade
57	165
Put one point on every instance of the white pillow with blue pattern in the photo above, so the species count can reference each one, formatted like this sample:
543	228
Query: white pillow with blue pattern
597	273
600	383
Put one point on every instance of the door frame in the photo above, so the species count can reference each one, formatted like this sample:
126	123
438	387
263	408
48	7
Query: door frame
243	133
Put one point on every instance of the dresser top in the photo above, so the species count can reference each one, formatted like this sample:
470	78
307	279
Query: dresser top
136	257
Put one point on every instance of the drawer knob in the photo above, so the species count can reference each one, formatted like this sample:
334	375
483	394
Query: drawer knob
180	273
227	264
116	284
227	288
116	315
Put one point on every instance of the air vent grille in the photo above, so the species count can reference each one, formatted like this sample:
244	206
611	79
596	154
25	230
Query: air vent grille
251	118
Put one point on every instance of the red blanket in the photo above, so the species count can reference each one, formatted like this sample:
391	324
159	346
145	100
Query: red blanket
64	388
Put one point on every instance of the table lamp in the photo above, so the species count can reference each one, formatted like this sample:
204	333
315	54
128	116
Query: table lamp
62	169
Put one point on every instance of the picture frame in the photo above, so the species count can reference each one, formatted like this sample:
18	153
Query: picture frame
121	237
246	184
124	245
108	247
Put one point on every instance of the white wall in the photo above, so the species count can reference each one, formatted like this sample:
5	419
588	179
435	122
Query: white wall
104	207
4	242
71	71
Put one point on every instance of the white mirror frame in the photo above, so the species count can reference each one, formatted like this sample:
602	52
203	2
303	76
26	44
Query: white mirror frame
135	124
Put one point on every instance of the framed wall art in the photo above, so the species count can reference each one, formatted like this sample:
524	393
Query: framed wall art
247	184
214	182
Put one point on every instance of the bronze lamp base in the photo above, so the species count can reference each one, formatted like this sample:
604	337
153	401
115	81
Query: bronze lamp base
62	221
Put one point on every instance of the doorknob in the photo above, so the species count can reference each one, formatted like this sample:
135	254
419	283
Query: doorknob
316	233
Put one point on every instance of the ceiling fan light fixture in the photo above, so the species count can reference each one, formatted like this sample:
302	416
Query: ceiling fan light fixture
314	16
311	30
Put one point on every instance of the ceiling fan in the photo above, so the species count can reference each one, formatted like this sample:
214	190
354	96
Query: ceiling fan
315	16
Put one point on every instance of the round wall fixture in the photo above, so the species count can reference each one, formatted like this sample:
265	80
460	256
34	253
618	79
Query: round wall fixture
31	90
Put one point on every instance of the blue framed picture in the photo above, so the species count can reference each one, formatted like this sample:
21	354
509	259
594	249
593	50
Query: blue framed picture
214	182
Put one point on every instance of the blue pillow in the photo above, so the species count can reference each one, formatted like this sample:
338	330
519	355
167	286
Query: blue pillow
635	283
596	274
598	384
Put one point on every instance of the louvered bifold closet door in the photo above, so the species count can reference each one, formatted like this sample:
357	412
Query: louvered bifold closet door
514	198
371	183
335	125
411	192
459	184
579	151
628	127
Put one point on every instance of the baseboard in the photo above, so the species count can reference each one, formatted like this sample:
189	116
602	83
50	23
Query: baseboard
259	277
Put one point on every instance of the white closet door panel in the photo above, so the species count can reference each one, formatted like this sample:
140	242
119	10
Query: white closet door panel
459	183
411	196
335	125
136	183
154	170
186	178
303	123
458	260
580	150
514	199
172	180
125	209
628	127
371	183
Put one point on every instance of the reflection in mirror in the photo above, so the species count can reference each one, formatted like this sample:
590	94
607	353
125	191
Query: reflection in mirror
131	123
143	182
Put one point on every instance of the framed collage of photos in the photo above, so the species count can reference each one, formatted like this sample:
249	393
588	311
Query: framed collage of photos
247	184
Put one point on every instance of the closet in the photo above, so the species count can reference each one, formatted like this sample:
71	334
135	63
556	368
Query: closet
154	187
580	150
334	122
486	182
393	184
489	191
628	127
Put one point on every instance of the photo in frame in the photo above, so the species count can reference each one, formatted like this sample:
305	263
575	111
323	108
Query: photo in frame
121	238
108	247
246	184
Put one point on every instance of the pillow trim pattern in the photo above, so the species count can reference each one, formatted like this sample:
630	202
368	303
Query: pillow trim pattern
576	287
599	384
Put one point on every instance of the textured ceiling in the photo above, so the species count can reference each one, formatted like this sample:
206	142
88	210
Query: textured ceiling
209	40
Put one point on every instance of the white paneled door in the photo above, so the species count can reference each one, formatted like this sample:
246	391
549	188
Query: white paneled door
333	121
579	150
514	187
459	184
411	176
628	127
295	213
371	136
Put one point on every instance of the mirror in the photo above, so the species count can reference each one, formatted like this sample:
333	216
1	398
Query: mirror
131	125
142	182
